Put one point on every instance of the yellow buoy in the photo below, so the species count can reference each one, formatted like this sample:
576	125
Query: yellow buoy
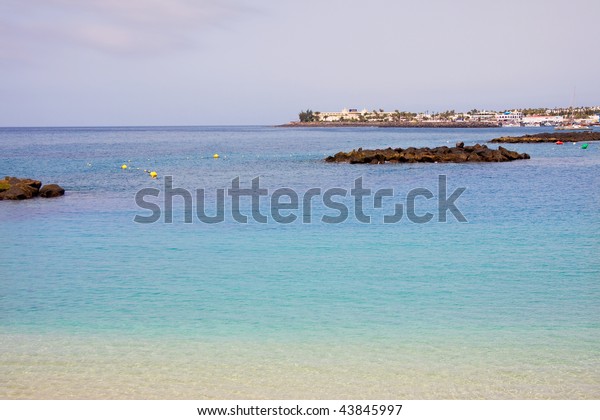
153	174
123	166
216	156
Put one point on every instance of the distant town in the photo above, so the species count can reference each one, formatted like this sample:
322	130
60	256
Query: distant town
530	117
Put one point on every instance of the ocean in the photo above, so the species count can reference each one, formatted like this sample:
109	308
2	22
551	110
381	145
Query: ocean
96	304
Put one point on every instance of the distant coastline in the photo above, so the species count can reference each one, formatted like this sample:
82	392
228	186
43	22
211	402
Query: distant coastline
400	124
530	117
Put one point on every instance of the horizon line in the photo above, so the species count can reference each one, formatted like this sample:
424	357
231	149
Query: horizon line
138	126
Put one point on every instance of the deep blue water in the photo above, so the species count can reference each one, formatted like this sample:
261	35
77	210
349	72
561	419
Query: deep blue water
522	272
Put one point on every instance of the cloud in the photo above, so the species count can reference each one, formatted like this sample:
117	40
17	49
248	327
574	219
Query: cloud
111	26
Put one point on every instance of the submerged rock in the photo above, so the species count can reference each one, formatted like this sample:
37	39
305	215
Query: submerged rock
443	154
12	188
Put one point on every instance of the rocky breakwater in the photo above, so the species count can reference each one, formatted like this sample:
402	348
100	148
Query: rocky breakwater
12	188
458	154
564	136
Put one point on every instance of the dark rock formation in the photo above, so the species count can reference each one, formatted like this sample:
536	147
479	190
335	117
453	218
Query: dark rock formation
564	136
12	188
22	181
18	193
51	190
443	154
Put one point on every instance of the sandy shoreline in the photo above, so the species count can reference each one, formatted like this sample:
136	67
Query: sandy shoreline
77	367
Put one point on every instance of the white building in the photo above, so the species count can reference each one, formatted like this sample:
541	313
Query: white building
510	118
484	116
346	114
354	114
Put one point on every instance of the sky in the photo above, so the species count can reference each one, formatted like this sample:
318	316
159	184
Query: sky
237	62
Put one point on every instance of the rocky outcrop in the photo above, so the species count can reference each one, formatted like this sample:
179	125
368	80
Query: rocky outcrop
458	154
12	188
51	190
564	136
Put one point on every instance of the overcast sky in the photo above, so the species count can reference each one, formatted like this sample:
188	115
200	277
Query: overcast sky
205	62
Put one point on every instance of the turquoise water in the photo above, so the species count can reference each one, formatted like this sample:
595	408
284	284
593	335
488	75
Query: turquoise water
93	305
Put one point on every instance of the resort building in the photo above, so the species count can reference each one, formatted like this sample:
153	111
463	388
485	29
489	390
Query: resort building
510	118
351	114
484	116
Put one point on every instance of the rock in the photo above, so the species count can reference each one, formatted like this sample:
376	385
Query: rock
458	154
490	155
23	181
508	153
51	190
18	192
474	157
460	144
12	188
